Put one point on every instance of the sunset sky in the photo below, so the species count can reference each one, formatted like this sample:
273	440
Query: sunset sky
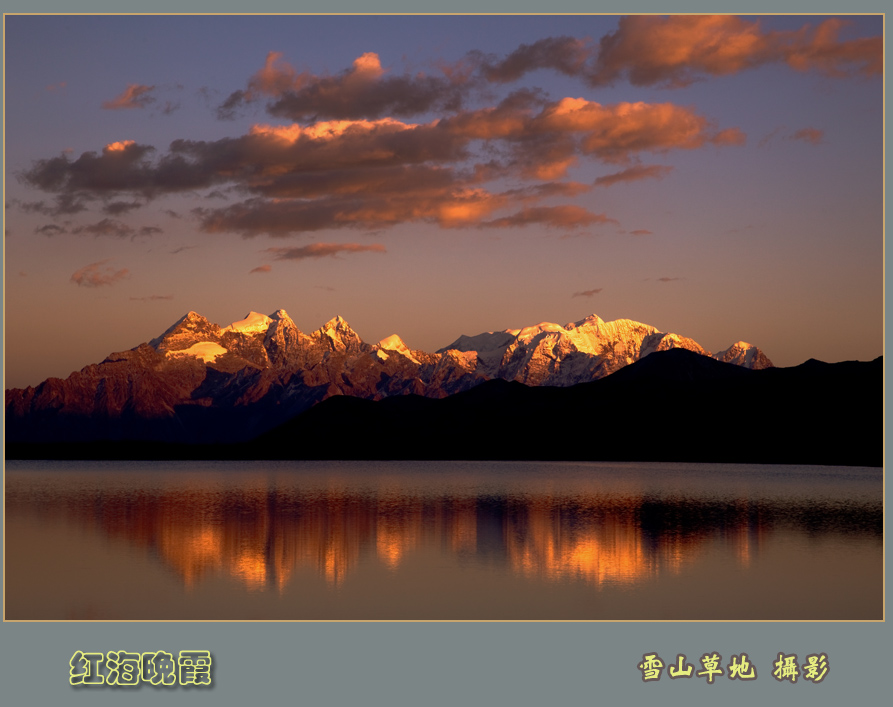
716	177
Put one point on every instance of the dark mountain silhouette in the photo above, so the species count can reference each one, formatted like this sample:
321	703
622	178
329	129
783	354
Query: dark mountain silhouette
673	405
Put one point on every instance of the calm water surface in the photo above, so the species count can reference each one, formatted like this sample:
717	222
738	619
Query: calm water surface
442	540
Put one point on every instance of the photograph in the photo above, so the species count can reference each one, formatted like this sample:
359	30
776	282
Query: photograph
444	318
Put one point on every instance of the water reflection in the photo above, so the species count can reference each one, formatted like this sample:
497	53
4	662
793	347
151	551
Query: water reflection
602	526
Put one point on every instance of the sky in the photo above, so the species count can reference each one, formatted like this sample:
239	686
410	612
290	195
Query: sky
715	177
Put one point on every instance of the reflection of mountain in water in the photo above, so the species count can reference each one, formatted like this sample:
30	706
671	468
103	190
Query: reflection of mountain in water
261	536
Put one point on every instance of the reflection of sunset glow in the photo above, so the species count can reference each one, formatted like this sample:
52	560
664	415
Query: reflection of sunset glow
609	550
193	550
262	537
391	544
462	529
251	569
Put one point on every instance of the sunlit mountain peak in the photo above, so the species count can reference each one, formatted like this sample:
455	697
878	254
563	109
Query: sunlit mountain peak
253	323
537	329
395	343
591	320
336	322
743	354
280	315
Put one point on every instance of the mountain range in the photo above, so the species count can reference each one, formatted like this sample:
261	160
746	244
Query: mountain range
199	382
260	388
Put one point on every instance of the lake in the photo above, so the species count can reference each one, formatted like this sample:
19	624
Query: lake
442	540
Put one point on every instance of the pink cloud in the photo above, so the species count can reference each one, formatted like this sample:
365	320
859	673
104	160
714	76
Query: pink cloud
98	274
134	96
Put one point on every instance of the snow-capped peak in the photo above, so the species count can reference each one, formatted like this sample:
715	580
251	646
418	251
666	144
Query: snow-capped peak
530	332
191	327
207	351
591	320
743	354
395	343
335	323
253	323
190	319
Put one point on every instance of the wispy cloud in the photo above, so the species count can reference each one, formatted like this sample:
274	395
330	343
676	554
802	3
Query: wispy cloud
65	204
152	298
552	217
50	229
323	250
115	229
134	96
813	136
566	55
768	137
588	293
98	274
668	279
117	208
261	269
634	174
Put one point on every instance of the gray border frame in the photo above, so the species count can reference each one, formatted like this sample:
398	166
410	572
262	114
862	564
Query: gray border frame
433	664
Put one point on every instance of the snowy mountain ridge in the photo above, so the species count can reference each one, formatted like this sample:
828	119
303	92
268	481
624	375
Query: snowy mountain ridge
262	370
541	354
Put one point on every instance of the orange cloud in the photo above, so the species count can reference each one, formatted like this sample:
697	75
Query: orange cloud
98	274
261	269
821	50
377	171
134	96
119	146
729	136
449	208
276	77
614	133
674	51
547	143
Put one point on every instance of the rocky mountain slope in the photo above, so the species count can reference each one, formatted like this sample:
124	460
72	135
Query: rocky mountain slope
199	382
